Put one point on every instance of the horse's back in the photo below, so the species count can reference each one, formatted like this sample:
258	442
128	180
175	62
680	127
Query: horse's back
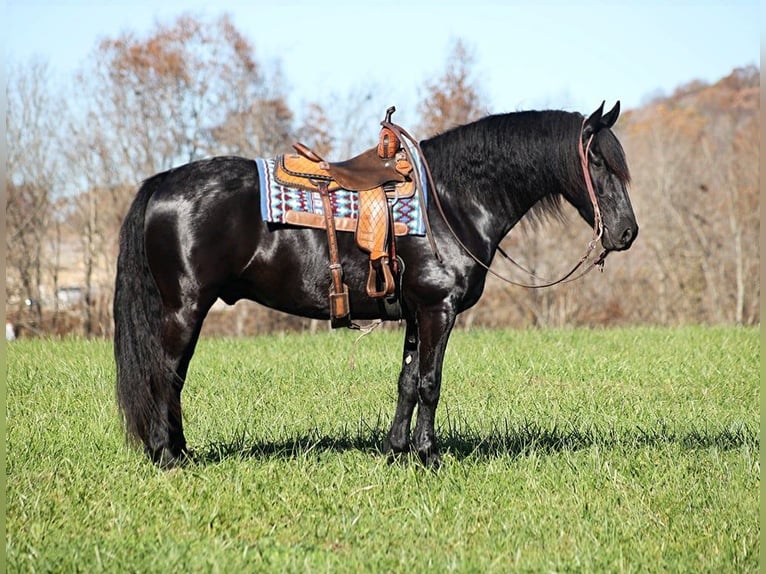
206	183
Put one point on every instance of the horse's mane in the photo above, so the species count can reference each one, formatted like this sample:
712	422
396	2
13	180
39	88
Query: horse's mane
527	140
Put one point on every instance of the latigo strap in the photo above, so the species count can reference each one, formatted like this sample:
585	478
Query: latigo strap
339	307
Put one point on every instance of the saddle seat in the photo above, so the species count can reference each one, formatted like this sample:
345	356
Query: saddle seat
307	170
360	173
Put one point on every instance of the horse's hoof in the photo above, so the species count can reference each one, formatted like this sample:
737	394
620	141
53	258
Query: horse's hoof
395	454
431	460
399	447
397	457
166	460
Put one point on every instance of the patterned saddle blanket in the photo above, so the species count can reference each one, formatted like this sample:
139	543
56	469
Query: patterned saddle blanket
301	207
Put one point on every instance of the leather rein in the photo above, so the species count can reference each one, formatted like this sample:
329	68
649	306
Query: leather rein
598	226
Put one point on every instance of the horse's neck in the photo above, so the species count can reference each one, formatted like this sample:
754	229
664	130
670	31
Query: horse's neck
496	196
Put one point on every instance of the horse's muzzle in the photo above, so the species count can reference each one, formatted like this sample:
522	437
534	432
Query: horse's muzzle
621	240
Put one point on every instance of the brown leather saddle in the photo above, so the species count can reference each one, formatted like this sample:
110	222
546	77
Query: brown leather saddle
377	174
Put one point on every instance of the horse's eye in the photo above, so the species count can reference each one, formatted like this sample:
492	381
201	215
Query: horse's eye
595	159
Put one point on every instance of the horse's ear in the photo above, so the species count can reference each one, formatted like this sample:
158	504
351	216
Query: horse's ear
593	123
609	118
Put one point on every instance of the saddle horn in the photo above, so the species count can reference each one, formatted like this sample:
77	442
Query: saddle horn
388	143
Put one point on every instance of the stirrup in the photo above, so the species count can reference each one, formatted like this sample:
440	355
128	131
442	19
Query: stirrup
389	285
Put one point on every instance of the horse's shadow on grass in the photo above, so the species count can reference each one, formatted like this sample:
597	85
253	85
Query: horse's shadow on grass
500	441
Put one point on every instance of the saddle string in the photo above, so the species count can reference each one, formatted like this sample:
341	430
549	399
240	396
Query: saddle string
597	222
364	330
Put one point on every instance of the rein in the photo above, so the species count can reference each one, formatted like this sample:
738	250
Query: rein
598	226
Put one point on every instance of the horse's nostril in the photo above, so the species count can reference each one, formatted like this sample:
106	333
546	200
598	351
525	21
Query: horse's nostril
627	235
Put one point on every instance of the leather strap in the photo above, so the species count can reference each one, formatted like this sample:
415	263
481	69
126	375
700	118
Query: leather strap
339	307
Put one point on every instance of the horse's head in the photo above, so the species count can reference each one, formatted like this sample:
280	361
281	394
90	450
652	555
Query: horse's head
610	176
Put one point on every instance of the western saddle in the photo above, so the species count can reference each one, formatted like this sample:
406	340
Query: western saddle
377	174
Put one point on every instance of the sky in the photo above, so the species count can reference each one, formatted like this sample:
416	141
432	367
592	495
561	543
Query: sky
527	54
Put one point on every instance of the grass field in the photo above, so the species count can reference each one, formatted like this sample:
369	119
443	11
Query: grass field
631	450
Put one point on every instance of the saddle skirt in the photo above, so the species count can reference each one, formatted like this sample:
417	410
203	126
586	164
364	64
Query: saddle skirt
292	201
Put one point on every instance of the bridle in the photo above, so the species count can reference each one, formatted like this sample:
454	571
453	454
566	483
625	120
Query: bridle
598	229
598	226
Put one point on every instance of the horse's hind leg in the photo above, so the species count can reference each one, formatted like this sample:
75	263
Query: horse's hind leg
180	332
398	439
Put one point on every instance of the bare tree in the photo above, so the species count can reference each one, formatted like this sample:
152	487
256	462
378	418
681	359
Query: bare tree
156	100
33	120
263	130
187	90
455	97
316	130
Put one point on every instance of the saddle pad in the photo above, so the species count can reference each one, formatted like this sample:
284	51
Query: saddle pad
278	200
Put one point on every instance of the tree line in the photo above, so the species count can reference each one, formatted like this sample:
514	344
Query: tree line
192	89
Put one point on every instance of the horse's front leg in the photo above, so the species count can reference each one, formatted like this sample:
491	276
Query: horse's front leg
398	439
434	327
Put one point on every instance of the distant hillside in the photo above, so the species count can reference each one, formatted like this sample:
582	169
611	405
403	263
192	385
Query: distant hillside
740	90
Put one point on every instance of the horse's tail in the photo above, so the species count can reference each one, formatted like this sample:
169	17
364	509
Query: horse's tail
142	372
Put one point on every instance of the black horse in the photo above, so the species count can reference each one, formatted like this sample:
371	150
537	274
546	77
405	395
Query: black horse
195	233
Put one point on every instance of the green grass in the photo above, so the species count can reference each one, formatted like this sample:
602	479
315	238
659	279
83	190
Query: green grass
632	450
